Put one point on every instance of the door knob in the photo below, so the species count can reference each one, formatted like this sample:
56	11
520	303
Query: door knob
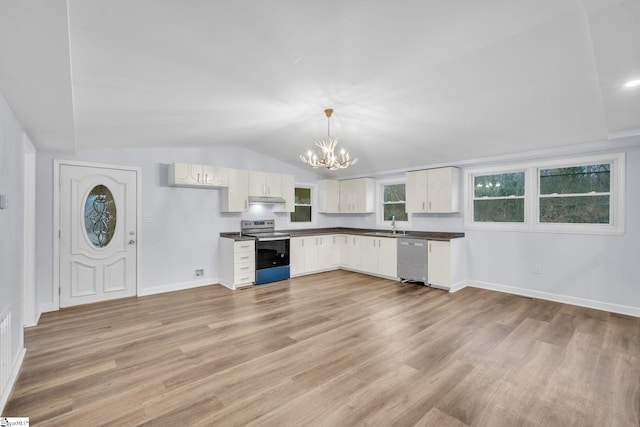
131	242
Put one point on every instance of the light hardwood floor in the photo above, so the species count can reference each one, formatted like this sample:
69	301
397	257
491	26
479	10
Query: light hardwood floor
332	349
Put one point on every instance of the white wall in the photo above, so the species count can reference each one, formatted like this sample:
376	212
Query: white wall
185	223
183	234
11	225
581	266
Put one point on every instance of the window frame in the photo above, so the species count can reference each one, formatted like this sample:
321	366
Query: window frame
314	206
532	197
380	184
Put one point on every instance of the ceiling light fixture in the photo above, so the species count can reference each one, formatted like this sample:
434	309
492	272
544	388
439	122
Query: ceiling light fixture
327	158
632	83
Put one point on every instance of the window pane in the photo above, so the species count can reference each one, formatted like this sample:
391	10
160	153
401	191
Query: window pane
500	210
395	209
100	216
301	214
575	180
575	210
499	185
394	193
303	196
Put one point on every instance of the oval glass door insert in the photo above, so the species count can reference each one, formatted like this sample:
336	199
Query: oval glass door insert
100	216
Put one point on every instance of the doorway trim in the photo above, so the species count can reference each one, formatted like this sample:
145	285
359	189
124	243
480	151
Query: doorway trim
31	312
57	163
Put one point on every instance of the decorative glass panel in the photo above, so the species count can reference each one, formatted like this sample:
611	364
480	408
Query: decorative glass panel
100	216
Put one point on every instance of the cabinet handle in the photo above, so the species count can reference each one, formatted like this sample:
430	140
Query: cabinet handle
244	257
303	243
429	204
198	178
429	247
423	205
244	268
206	177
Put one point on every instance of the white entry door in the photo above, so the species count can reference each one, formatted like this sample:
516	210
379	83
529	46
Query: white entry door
98	234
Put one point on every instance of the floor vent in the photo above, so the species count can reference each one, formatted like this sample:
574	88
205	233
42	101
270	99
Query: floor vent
5	350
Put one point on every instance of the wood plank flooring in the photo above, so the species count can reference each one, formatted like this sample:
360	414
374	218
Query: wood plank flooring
331	349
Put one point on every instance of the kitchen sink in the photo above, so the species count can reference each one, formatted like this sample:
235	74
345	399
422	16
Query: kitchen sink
387	234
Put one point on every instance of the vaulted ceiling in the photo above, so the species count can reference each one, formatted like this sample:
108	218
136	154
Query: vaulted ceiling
412	82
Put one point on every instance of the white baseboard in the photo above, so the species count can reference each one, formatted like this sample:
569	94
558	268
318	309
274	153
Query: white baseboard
12	381
582	302
460	285
178	286
46	308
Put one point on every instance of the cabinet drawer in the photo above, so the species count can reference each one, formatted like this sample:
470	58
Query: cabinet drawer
244	246
243	268
244	257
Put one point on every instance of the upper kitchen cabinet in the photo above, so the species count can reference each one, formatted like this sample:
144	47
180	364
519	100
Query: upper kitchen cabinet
357	195
433	190
329	196
195	175
265	184
235	197
347	196
288	194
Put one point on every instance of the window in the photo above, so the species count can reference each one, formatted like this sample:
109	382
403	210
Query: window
576	194
303	206
392	196
582	195
499	197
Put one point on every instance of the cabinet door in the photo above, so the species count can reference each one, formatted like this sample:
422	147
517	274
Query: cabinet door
296	255
439	263
273	184
236	195
257	184
310	247
443	190
354	250
288	194
329	196
369	254
388	256
416	191
215	176
184	174
345	196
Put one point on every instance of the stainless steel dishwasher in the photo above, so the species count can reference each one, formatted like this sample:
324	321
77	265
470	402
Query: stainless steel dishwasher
412	259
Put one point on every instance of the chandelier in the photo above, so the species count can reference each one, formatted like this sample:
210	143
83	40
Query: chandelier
326	157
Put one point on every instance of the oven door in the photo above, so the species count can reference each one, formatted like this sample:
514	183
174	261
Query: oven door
272	253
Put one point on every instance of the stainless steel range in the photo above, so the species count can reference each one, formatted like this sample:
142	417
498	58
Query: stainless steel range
272	250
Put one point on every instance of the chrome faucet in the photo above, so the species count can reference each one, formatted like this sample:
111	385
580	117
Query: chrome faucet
393	224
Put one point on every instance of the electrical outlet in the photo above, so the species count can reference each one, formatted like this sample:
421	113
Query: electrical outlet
537	269
199	272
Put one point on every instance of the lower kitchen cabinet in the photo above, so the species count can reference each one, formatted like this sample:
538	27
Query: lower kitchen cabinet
237	262
379	255
314	253
446	263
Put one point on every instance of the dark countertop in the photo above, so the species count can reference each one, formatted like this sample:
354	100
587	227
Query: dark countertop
428	235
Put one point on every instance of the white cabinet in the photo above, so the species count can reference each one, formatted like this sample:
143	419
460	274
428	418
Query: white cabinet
347	196
195	175
352	257
329	196
357	195
265	184
237	262
313	253
446	263
287	193
433	190
379	255
235	197
329	251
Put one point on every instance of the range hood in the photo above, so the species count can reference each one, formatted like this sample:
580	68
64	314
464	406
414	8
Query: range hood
265	200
